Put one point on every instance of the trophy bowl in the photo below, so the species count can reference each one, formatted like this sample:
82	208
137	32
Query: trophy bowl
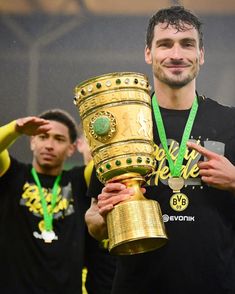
115	110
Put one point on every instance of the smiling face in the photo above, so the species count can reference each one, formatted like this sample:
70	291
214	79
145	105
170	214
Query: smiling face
50	150
175	55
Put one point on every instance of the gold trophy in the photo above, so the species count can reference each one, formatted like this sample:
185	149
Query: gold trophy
115	110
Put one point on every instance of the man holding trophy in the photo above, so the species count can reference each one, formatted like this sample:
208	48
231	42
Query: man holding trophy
193	179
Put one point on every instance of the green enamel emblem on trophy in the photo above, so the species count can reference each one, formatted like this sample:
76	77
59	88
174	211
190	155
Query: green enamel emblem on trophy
101	126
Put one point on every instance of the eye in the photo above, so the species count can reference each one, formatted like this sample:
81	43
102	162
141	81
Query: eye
42	136
188	44
164	45
60	139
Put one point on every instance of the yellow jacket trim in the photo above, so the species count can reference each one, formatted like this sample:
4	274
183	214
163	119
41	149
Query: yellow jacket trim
8	135
88	172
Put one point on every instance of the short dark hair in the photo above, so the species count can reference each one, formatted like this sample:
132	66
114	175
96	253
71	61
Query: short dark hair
63	117
176	16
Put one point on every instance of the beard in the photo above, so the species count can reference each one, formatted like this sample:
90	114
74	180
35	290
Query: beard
177	79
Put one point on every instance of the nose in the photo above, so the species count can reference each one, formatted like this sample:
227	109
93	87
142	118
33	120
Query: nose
176	52
49	143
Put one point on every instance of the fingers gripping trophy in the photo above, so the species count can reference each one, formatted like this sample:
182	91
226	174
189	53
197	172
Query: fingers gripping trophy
116	115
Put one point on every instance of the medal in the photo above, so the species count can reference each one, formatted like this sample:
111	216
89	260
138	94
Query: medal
48	235
176	183
178	201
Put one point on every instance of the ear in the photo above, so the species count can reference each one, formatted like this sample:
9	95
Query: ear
202	56
32	143
148	55
79	144
71	149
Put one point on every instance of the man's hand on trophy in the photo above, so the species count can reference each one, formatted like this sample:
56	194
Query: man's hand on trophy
112	194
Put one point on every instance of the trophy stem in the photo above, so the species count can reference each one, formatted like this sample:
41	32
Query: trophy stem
136	225
131	180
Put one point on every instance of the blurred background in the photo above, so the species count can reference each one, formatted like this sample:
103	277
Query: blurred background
47	47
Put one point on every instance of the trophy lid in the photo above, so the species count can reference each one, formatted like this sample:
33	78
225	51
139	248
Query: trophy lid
110	81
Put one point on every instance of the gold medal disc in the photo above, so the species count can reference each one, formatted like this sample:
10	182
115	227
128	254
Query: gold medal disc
176	183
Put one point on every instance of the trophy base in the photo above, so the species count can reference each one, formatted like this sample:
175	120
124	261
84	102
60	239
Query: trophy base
135	227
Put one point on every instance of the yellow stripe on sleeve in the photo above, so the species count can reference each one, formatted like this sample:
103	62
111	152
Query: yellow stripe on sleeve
88	172
8	135
4	162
